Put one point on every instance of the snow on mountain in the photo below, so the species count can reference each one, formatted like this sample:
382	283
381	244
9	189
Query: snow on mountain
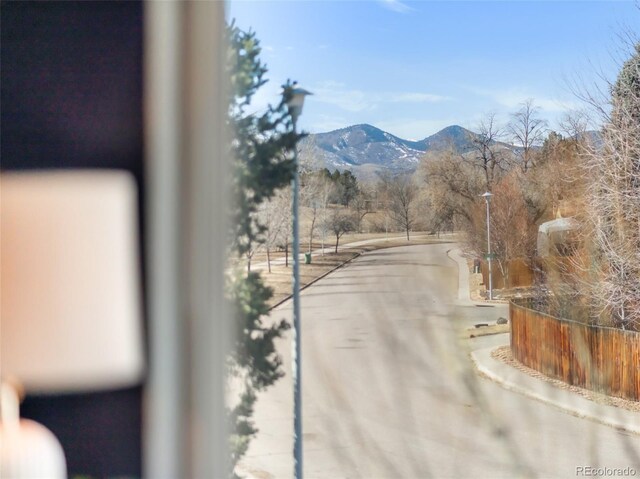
366	150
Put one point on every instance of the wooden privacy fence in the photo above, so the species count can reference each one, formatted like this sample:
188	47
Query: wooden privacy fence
605	360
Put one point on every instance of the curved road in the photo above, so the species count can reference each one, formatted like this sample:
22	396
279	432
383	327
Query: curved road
389	391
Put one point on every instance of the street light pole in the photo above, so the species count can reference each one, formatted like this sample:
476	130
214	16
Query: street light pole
296	371
487	196
295	104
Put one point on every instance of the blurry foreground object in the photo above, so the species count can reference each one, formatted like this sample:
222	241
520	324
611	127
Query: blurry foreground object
70	298
27	449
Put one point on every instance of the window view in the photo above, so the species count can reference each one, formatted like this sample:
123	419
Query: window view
464	226
370	239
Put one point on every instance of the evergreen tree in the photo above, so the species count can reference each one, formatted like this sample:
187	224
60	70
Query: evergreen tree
345	186
325	173
262	162
348	187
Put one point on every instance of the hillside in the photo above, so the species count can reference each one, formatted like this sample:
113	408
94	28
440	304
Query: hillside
367	150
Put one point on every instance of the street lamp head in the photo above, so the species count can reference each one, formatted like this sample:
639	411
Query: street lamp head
487	196
296	101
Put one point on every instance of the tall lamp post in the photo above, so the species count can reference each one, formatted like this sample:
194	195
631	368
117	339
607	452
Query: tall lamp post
487	196
295	104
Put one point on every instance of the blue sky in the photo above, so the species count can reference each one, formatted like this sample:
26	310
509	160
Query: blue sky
412	68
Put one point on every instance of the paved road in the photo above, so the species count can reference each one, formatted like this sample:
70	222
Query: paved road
389	393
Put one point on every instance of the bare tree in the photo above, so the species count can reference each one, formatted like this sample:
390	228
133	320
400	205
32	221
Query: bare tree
527	131
251	247
315	193
440	216
282	221
513	233
614	202
487	153
574	124
275	214
324	194
309	190
339	222
555	180
361	205
453	185
401	194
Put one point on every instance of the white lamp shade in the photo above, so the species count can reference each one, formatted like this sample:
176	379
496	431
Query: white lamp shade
487	196
70	289
29	450
296	102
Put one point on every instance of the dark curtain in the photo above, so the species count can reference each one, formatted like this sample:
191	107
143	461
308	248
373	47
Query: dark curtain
71	97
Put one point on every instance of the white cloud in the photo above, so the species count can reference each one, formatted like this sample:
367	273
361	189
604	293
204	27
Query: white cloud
396	6
513	98
353	100
416	98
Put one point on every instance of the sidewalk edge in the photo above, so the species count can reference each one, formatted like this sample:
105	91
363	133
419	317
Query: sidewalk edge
618	424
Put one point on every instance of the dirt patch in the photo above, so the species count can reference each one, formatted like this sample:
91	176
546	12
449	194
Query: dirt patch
280	278
504	354
487	330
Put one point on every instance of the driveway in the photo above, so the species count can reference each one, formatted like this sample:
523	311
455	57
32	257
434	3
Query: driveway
389	391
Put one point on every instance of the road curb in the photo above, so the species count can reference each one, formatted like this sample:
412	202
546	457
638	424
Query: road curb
611	416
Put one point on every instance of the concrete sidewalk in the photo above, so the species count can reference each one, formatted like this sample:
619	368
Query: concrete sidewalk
539	389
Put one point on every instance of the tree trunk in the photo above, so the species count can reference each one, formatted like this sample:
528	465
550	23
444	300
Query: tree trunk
504	270
286	255
324	225
313	222
361	219
407	234
337	240
268	260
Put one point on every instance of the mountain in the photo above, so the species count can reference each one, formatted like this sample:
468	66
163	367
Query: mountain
367	150
454	135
